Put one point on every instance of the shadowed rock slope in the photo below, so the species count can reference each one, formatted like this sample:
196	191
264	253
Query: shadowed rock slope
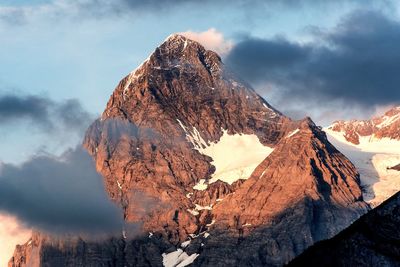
373	240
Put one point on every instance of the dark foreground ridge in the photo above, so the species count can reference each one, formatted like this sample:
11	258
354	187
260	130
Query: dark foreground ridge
397	167
373	240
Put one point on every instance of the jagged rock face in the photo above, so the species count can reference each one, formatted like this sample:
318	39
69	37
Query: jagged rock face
373	240
295	197
183	81
140	142
387	125
148	145
215	192
301	166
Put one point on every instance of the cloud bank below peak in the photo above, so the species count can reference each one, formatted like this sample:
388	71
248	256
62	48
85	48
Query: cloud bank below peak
31	123
59	195
44	112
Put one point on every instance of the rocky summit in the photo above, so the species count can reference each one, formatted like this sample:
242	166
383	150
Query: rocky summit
208	172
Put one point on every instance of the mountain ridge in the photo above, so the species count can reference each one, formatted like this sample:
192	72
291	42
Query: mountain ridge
375	152
379	127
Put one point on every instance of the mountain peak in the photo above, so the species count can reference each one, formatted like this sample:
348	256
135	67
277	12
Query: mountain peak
179	41
184	81
180	53
176	37
174	51
180	48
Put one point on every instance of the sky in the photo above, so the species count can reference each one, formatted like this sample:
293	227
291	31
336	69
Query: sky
301	56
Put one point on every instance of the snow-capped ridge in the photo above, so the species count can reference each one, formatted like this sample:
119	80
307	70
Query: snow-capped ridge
373	146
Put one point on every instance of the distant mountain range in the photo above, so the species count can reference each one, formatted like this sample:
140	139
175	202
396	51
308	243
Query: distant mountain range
367	132
374	148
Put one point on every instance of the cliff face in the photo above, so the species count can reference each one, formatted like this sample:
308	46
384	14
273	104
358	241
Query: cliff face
214	175
294	198
373	240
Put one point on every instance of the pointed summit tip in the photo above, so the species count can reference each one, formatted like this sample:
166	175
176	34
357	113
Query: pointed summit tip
180	40
177	39
176	36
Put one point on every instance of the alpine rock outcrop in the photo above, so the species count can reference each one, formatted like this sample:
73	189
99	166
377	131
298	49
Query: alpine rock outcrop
382	128
212	174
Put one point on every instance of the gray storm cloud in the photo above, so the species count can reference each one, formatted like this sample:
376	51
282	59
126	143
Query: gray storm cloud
100	9
356	63
59	194
44	113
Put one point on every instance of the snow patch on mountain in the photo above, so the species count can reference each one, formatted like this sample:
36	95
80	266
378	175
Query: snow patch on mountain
185	244
372	157
201	185
133	76
178	258
193	136
388	120
369	143
199	207
292	133
234	157
193	212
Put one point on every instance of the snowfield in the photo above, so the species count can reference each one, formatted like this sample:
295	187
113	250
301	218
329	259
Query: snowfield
234	156
372	158
178	258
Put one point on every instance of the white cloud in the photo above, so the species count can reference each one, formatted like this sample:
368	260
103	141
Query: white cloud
211	39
